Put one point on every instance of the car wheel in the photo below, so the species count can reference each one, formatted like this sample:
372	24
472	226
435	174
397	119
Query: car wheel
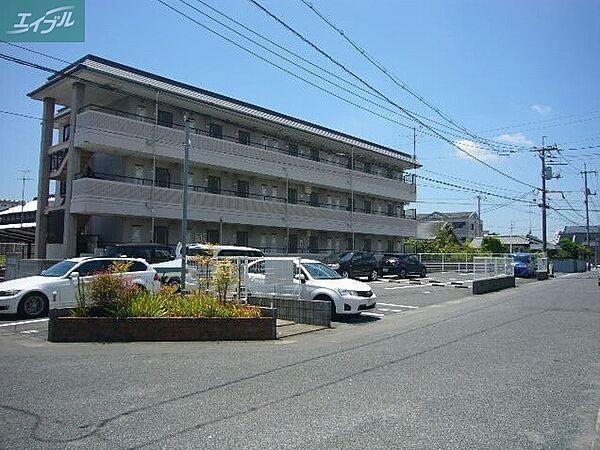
373	275
345	274
402	273
423	273
33	305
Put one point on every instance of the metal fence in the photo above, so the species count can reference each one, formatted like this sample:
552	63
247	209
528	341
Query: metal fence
490	267
447	262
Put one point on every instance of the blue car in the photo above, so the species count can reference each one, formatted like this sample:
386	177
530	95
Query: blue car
525	264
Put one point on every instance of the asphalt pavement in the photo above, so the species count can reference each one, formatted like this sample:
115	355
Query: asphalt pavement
440	368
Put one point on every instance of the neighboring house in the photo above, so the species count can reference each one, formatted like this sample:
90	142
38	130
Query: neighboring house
5	204
17	228
256	177
520	244
466	225
428	230
579	234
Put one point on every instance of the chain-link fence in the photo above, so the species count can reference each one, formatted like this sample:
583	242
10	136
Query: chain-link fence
490	267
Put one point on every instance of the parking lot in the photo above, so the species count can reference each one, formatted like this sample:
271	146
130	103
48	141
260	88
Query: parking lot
394	296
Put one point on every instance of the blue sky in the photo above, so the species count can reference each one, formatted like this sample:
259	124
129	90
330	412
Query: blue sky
511	71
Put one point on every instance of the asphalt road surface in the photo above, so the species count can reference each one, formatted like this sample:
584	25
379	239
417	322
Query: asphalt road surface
513	369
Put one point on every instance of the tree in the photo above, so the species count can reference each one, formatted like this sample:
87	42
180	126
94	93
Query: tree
572	250
492	244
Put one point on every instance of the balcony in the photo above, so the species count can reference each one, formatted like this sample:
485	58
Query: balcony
128	136
135	197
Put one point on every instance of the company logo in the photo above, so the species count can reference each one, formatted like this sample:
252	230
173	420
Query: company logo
47	21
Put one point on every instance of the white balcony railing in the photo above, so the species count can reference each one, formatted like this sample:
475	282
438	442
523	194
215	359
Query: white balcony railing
103	197
100	129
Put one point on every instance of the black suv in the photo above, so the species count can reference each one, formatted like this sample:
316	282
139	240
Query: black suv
402	265
354	264
152	253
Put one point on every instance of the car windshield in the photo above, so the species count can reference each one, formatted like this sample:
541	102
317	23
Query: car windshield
336	257
59	269
320	271
521	258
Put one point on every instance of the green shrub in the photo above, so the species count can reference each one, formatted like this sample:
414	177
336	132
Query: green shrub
139	304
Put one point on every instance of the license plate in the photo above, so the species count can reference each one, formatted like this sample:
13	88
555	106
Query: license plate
385	270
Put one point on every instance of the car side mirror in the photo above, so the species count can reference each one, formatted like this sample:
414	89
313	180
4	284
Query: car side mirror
74	275
301	277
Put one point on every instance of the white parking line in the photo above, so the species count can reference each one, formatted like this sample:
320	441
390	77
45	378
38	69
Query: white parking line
14	324
372	314
397	306
403	287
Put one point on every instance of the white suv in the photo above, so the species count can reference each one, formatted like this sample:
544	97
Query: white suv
309	280
30	297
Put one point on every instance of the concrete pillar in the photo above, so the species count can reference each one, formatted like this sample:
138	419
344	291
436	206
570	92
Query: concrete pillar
41	219
73	168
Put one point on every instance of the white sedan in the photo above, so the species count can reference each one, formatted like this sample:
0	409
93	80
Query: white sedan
30	297
309	280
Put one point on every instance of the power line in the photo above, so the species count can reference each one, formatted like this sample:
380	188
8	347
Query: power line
412	116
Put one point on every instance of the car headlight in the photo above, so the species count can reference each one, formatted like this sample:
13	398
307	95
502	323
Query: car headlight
334	266
9	293
347	293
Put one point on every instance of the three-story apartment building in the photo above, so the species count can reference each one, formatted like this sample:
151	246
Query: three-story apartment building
113	154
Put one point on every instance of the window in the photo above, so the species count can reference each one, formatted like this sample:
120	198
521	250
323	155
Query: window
216	131
165	118
66	133
163	177
90	268
213	236
241	238
367	246
214	184
244	137
367	207
472	226
243	188
136	233
161	255
390	245
314	199
313	244
274	192
139	174
389	172
349	244
293	149
349	205
139	266
293	243
367	167
161	235
292	195
314	154
390	210
350	163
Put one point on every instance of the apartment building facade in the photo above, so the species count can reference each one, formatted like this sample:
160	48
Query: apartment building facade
113	155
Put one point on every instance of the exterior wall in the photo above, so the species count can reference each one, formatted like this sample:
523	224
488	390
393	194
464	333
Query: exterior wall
110	195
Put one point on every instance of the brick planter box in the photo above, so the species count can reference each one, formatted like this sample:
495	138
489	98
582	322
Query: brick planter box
109	329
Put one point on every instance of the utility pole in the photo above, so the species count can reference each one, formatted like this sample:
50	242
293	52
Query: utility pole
24	178
479	221
587	210
546	175
414	144
510	242
186	169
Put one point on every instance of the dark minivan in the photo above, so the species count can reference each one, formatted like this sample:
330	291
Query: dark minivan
152	253
402	265
354	264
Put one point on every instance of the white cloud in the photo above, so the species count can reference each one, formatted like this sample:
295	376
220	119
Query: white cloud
515	139
474	149
541	109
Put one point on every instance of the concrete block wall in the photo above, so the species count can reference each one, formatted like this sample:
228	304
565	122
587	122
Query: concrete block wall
312	312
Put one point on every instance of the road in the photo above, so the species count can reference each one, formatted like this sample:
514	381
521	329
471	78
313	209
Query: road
513	369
